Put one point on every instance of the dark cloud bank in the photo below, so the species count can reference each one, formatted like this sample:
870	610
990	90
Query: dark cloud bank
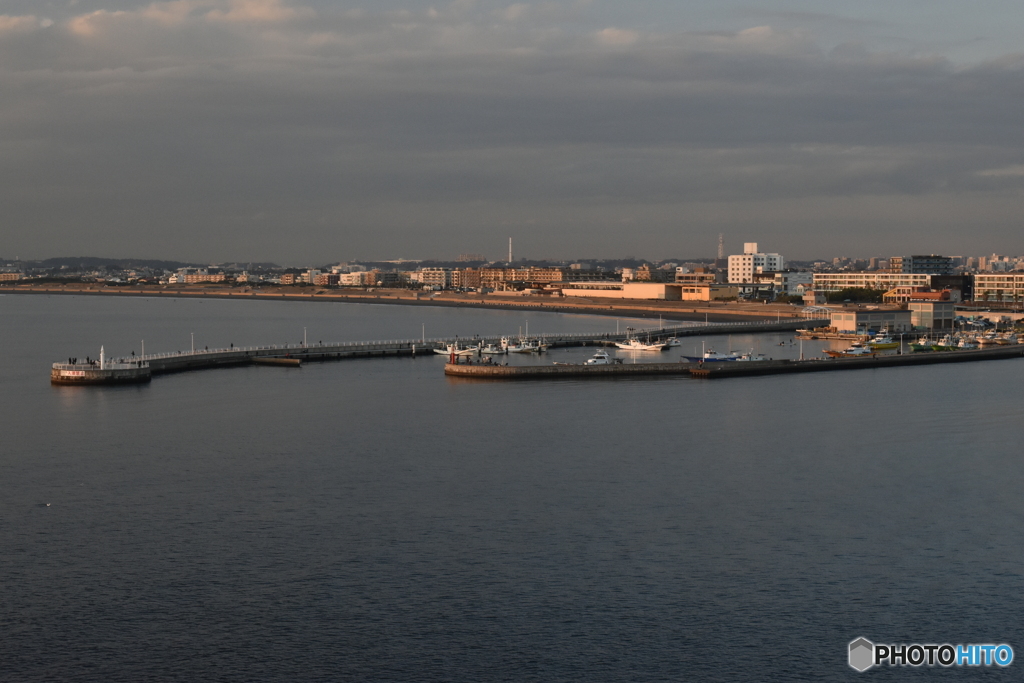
210	130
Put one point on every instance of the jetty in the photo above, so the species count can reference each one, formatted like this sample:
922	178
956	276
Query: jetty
725	369
295	354
100	371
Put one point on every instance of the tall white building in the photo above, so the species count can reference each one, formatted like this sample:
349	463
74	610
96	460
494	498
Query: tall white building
742	267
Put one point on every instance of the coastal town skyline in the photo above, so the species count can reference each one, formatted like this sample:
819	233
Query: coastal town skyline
259	130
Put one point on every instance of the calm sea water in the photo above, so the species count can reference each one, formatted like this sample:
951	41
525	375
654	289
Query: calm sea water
370	520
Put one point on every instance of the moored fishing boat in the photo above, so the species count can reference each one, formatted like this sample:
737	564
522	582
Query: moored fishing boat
989	339
712	356
450	349
922	345
634	344
602	358
856	350
883	341
499	348
526	346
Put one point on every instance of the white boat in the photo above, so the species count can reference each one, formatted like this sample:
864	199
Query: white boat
634	344
495	348
712	356
673	341
855	350
602	358
449	349
883	341
752	357
966	343
526	346
989	339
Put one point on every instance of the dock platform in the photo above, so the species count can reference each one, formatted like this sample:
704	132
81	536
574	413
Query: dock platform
721	370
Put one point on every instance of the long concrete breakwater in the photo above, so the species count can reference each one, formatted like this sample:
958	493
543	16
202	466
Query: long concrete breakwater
718	370
714	311
182	361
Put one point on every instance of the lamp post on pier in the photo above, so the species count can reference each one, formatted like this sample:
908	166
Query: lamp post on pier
193	341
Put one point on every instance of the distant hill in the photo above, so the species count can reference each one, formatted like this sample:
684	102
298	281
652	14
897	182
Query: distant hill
93	262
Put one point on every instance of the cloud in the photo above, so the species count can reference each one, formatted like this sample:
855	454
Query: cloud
259	11
514	12
794	16
9	24
617	37
1015	171
191	116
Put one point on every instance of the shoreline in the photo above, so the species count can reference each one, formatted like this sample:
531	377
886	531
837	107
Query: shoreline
633	308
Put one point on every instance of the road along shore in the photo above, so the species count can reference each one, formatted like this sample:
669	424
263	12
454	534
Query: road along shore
633	308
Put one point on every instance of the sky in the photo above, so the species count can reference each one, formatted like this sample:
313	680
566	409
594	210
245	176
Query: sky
315	131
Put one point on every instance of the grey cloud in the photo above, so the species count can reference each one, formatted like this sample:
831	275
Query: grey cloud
360	131
796	16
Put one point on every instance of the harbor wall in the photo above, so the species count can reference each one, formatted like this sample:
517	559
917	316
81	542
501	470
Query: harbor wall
207	359
716	370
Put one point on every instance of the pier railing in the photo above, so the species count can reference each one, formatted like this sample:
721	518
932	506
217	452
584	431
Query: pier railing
120	364
173	361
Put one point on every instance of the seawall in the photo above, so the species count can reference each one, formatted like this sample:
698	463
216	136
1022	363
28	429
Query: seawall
217	358
720	370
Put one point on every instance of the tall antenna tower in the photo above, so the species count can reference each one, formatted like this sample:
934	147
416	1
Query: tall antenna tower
510	251
721	246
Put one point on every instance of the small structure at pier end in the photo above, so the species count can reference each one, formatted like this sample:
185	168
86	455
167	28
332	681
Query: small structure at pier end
100	371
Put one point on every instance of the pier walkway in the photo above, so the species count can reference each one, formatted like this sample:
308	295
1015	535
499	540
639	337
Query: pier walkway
718	370
163	363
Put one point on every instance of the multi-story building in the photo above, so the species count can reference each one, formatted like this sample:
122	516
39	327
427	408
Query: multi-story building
327	280
928	265
497	278
383	278
932	315
833	282
743	267
7	277
785	282
191	276
698	276
863	320
309	277
359	278
440	278
999	287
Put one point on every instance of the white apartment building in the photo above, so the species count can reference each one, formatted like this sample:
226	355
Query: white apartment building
1004	288
786	282
743	267
833	282
435	277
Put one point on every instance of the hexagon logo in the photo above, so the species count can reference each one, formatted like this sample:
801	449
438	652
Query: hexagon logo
862	654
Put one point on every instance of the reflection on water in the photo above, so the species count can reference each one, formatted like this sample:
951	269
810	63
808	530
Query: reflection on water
369	520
